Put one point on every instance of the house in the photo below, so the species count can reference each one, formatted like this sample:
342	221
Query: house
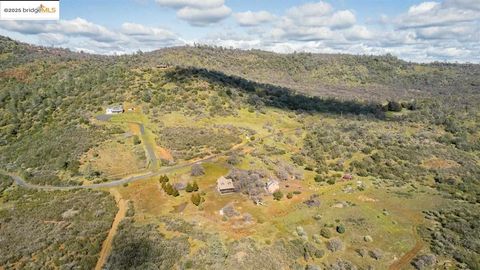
225	185
272	186
347	177
114	110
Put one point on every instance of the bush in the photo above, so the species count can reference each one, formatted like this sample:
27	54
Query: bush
277	195
341	229
170	190
394	106
195	186
325	232
189	188
289	195
136	140
318	178
334	245
197	170
424	261
196	199
331	181
163	179
233	159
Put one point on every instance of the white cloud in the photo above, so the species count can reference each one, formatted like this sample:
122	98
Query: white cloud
79	32
313	22
203	17
250	18
320	14
451	21
144	33
178	4
310	10
358	32
430	14
422	8
463	4
342	19
198	13
75	27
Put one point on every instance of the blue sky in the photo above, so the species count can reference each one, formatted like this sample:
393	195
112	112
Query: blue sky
421	31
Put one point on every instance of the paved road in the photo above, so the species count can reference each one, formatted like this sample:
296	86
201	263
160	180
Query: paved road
21	182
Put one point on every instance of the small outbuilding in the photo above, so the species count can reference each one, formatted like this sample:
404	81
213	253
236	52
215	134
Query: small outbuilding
114	110
225	185
272	186
347	177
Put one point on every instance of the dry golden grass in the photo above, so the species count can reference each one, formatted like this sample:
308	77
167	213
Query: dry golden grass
437	163
113	159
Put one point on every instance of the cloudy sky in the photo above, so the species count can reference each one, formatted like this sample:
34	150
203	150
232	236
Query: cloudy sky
444	30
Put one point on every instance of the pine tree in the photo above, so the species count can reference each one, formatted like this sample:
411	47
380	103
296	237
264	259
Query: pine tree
164	179
169	189
195	186
189	188
196	199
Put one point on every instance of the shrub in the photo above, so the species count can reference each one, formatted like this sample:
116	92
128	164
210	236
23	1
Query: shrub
277	195
136	140
340	229
233	159
334	245
195	186
376	254
318	178
325	232
163	179
197	170
394	106
289	195
424	261
196	199
331	181
189	188
298	159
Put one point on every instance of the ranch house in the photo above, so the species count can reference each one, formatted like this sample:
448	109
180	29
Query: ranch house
114	110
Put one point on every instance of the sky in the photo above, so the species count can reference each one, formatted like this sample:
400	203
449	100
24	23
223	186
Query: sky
444	30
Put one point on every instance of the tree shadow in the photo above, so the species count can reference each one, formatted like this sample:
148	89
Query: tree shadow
280	97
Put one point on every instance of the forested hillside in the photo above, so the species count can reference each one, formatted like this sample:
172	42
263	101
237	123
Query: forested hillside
347	76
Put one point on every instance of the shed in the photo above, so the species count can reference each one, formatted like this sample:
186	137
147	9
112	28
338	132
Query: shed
225	185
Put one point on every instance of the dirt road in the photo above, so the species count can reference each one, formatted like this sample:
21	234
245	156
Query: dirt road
408	257
107	244
149	146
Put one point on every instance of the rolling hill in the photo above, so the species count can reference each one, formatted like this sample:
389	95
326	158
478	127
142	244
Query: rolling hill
377	160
